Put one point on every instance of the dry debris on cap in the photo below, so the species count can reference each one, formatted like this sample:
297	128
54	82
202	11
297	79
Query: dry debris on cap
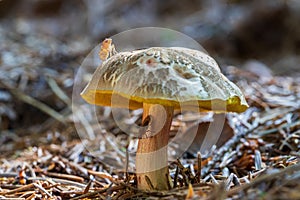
180	77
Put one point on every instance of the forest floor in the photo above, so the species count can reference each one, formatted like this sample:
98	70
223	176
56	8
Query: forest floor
49	150
259	161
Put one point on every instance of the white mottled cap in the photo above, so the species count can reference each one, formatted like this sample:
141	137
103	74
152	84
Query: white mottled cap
183	78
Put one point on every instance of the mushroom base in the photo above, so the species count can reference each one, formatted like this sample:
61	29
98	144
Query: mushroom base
152	153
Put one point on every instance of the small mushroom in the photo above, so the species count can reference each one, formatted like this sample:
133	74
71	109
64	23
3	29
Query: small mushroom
161	80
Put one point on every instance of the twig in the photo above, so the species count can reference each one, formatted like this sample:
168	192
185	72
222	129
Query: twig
58	180
42	189
25	187
65	176
90	194
35	103
183	170
214	179
228	182
199	159
236	180
257	160
77	112
176	177
102	175
32	196
59	92
88	186
127	165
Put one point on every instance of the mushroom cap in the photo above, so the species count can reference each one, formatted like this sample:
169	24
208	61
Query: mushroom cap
184	78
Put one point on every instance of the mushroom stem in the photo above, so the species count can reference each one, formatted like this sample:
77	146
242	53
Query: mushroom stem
152	153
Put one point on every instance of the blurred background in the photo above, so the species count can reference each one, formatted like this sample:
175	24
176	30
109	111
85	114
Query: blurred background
43	42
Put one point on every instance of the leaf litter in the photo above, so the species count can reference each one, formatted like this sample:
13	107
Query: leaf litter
259	159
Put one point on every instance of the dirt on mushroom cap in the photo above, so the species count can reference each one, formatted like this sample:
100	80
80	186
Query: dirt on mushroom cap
184	78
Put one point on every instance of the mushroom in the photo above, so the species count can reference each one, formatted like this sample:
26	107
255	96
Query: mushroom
161	80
